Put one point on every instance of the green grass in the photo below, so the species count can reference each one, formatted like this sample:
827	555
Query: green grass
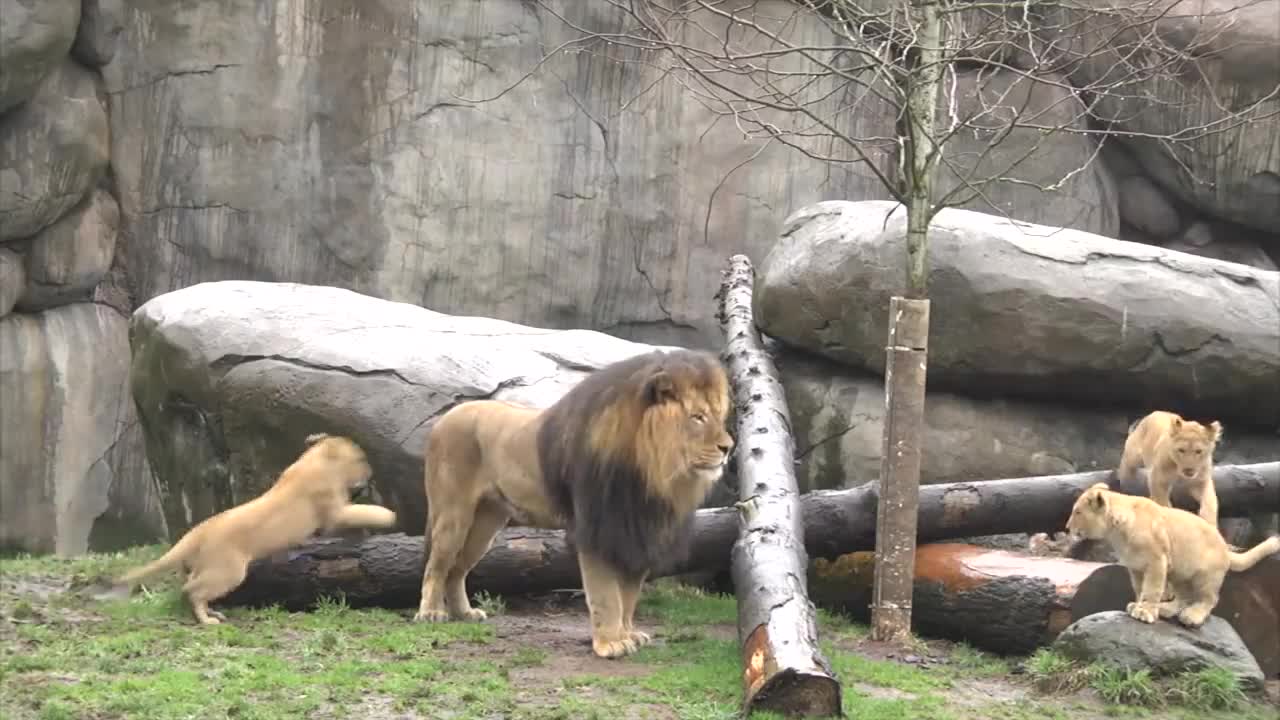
143	658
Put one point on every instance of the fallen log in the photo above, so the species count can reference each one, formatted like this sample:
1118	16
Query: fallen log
1250	601
784	671
386	570
1000	601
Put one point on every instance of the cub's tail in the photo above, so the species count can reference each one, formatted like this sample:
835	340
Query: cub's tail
1247	559
169	561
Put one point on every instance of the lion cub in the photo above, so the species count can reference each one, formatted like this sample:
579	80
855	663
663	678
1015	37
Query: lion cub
1163	546
1176	452
313	494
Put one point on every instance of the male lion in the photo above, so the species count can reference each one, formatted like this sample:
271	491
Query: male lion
313	494
1156	544
621	462
1175	452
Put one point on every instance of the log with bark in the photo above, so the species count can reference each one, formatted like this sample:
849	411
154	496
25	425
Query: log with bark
386	570
784	671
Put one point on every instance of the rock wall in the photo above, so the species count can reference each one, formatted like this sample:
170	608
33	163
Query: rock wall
73	472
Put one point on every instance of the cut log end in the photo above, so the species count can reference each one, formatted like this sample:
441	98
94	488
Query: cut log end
790	690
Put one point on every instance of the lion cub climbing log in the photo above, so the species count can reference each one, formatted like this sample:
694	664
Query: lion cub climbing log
1163	546
621	462
1176	452
311	495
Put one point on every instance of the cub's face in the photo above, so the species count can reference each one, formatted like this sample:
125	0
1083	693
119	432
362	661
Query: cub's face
1088	515
1192	447
345	463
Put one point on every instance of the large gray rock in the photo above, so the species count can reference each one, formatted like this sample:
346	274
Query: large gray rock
1033	311
13	278
837	415
101	22
1164	647
35	36
53	149
66	260
1222	163
1027	175
73	474
229	377
587	196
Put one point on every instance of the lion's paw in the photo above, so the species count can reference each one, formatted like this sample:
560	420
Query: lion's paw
431	616
614	648
1141	612
472	615
211	620
1192	619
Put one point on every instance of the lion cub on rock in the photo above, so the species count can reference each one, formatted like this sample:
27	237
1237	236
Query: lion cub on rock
313	494
1175	452
1162	546
621	462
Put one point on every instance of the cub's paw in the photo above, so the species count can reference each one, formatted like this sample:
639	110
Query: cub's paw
471	615
1141	612
613	648
1192	619
431	616
639	637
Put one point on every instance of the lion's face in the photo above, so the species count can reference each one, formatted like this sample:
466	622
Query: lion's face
686	403
1191	445
1089	514
340	460
709	442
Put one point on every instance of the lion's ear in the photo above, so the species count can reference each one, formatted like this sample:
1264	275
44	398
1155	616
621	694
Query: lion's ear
1215	431
1176	423
1098	501
659	388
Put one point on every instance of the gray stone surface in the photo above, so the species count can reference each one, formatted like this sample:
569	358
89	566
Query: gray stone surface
101	22
1144	205
1030	311
344	151
35	36
13	278
837	415
1027	175
66	260
77	479
230	377
53	149
1164	647
1227	168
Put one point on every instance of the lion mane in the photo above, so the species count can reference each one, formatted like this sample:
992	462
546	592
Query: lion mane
1164	549
621	462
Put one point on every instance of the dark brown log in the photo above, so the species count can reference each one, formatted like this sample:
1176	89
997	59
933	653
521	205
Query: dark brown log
784	671
1000	601
386	570
897	508
1250	601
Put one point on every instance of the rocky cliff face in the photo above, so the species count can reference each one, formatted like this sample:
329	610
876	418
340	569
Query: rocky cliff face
387	147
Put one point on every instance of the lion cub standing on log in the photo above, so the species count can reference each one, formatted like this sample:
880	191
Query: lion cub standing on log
1176	452
621	462
1163	546
313	494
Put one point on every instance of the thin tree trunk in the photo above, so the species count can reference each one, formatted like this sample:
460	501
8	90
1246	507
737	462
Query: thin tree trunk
386	569
784	670
906	355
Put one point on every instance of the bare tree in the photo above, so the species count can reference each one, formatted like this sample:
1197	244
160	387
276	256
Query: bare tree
976	90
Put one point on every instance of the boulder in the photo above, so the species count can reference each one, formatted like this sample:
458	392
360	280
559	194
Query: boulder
837	415
35	36
229	378
1023	310
13	278
1225	157
67	260
1164	647
355	159
74	474
53	150
1027	175
100	24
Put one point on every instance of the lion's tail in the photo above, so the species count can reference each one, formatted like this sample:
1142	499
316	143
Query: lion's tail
1247	559
170	560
